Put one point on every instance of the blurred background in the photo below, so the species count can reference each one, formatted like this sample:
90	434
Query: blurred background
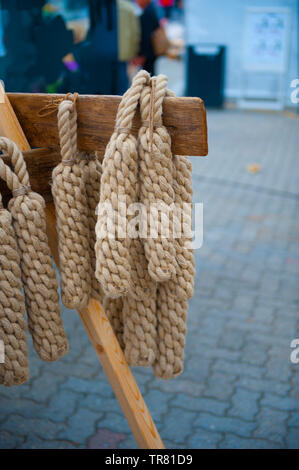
240	386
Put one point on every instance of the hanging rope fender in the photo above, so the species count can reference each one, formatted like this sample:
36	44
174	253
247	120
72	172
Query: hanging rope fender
70	199
38	275
118	185
152	328
14	370
92	180
173	295
156	180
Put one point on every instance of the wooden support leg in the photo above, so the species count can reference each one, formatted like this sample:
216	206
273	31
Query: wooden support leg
95	320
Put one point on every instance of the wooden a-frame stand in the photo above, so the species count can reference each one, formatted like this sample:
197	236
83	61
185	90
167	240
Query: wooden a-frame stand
20	121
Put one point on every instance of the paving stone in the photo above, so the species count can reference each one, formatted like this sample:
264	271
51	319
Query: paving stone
220	386
130	443
33	442
43	388
115	422
271	425
178	425
106	439
97	403
79	385
200	404
43	428
264	385
245	404
81	426
202	439
62	405
159	404
10	440
235	442
292	438
23	407
224	424
280	403
238	368
294	420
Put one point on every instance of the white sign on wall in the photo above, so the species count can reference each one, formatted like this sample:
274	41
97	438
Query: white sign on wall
266	42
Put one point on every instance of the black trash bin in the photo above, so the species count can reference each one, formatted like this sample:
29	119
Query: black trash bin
205	73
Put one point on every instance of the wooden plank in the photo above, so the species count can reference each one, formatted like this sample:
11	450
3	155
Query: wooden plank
9	124
185	119
103	339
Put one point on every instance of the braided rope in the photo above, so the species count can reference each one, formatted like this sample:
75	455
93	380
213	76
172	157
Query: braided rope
118	184
171	315
92	179
139	312
15	370
70	201
156	181
114	311
173	295
38	274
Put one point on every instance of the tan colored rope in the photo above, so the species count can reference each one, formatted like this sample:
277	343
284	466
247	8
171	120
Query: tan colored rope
156	183
92	180
171	315
139	312
118	185
183	282
14	370
70	200
38	275
173	295
114	311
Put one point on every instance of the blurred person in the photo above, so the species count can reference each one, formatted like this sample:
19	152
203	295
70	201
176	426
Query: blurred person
129	31
35	39
167	6
99	63
149	22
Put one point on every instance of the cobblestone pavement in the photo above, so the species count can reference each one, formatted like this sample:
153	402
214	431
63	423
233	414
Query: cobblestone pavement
239	388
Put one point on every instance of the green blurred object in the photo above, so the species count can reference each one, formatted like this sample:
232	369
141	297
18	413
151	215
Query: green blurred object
54	87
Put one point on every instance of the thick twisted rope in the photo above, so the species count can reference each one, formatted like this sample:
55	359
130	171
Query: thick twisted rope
70	200
92	180
14	370
114	311
139	312
38	274
118	186
156	180
173	295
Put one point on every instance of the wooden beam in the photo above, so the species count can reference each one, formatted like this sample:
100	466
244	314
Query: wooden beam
9	124
185	119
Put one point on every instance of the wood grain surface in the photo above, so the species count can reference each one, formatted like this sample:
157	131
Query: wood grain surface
185	119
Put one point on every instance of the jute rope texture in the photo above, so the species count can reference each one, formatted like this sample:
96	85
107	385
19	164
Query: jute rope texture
118	188
69	194
156	180
92	179
14	370
173	295
38	275
114	311
139	311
